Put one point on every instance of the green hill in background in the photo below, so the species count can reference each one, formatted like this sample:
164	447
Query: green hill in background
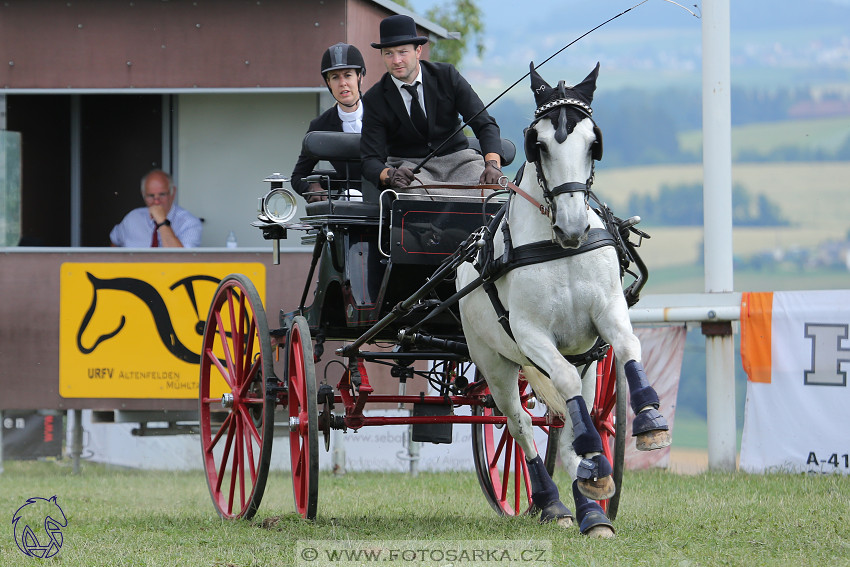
812	196
827	135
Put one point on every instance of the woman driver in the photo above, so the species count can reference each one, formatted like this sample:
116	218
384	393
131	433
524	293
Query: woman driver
343	69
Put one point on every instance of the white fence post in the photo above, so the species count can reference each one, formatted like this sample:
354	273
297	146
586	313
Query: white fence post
717	233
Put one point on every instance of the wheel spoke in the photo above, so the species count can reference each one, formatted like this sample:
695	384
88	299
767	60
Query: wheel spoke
213	359
226	455
252	374
249	362
228	357
525	475
238	326
248	427
506	475
494	461
298	472
239	462
517	478
225	424
233	467
251	431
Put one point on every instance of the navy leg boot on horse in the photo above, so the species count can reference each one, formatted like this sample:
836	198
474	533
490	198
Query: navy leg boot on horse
545	496
649	427
591	519
594	473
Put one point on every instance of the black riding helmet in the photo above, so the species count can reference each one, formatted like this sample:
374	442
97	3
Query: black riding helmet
343	56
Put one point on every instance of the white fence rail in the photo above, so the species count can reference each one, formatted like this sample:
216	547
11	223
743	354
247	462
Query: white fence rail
719	360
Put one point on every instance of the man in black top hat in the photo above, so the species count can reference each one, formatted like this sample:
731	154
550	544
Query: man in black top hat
413	109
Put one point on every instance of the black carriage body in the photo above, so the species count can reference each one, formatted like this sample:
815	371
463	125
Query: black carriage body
364	270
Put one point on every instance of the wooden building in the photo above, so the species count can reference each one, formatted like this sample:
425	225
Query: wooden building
218	92
98	92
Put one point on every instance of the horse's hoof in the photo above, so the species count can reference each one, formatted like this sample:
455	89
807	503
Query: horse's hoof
651	440
600	532
594	477
599	489
596	524
557	512
566	522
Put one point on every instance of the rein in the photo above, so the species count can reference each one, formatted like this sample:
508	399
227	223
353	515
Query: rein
508	184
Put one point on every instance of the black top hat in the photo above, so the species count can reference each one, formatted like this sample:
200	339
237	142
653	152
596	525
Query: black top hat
398	30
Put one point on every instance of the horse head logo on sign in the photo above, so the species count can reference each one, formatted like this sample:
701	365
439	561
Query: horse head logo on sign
36	516
158	310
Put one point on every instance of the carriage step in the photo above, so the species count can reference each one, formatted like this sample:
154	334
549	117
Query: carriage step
432	432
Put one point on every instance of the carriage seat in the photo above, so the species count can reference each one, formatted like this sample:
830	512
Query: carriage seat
345	147
508	148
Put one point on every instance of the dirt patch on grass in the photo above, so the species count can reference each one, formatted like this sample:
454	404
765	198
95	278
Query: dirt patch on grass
688	461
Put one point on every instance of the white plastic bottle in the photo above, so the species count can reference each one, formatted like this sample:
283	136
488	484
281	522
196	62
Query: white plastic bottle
231	240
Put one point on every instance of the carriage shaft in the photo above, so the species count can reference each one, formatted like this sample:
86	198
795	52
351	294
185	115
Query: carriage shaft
365	421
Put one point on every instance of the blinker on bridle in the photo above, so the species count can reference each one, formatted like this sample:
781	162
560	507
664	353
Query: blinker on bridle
546	110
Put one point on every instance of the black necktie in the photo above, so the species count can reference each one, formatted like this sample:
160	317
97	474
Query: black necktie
417	115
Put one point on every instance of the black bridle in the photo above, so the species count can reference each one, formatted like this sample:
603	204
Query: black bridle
532	151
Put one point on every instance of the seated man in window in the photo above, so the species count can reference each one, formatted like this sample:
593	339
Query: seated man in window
160	223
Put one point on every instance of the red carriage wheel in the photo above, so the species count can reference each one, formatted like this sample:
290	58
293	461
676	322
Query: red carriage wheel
500	461
611	426
303	418
236	413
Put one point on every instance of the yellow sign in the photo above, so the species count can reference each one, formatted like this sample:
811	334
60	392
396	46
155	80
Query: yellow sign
135	330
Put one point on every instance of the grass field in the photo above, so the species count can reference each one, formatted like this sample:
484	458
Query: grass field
816	134
811	195
133	518
691	279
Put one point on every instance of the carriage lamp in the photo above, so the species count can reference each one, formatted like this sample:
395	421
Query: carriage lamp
279	205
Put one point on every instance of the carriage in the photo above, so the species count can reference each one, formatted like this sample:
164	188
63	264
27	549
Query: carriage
381	285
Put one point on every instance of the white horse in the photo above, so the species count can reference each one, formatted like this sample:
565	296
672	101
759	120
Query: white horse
559	306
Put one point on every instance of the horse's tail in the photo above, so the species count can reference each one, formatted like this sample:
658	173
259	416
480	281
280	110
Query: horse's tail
545	390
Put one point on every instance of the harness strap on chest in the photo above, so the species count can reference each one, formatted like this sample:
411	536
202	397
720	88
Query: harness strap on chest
501	313
538	252
534	254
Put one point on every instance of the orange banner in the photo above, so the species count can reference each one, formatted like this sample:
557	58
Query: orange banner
756	329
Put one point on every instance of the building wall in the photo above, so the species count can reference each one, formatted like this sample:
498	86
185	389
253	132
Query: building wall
152	44
60	56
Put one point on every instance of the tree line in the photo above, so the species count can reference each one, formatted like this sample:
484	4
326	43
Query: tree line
682	205
641	127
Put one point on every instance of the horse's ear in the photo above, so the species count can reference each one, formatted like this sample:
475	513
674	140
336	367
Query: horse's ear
541	89
596	148
532	148
588	85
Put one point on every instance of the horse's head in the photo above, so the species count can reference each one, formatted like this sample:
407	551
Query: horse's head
562	143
